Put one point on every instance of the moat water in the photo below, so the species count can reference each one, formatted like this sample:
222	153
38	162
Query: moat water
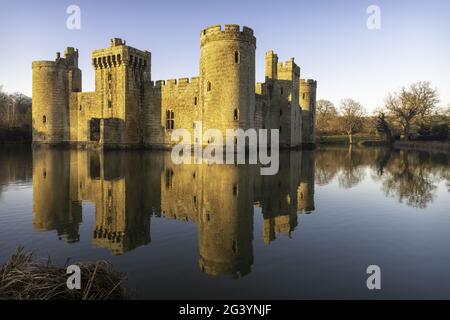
218	231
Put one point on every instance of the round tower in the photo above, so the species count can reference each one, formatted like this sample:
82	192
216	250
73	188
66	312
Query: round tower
50	99
308	90
227	77
225	224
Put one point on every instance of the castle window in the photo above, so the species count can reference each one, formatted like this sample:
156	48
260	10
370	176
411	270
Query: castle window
237	58
81	108
44	119
281	112
170	120
195	101
281	91
304	95
109	77
235	190
281	129
234	246
169	177
109	104
209	86
236	114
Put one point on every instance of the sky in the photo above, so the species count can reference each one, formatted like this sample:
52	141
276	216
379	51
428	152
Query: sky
329	39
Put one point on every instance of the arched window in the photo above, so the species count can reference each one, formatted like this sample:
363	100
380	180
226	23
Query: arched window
170	120
209	86
195	101
44	119
237	58
236	114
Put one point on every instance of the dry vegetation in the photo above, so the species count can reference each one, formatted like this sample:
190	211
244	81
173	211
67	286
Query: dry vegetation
22	278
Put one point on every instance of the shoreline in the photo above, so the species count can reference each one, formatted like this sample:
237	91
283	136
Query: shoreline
427	146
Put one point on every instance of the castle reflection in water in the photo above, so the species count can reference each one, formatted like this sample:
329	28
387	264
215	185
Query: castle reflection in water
130	188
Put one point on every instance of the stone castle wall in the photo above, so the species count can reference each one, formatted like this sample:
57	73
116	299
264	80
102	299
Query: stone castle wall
128	109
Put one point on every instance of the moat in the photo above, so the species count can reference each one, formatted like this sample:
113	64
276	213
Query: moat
225	231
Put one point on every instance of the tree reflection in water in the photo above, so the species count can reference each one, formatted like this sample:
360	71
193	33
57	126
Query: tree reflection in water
412	177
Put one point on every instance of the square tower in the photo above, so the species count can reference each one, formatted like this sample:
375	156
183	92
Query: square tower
120	74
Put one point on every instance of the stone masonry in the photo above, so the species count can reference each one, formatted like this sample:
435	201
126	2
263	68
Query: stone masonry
129	110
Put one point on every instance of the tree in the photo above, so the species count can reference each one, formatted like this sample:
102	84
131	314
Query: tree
325	113
409	105
4	106
351	118
383	127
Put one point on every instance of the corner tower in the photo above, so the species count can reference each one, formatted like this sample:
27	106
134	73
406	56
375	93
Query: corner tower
227	77
308	90
53	82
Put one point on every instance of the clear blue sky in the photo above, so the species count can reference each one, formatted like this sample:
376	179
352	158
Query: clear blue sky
328	38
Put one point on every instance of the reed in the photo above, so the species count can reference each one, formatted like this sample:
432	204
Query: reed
23	278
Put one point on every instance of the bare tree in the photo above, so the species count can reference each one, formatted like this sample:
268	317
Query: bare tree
15	109
325	113
410	104
4	106
351	118
384	128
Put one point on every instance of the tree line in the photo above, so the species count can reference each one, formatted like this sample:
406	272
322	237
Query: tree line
412	113
15	117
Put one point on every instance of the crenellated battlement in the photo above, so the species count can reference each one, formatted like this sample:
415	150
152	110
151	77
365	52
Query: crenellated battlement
228	32
228	28
288	66
120	54
308	82
70	60
176	82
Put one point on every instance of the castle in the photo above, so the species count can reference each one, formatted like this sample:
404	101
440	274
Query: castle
127	109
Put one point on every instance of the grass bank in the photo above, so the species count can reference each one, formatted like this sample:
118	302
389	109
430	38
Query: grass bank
343	140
